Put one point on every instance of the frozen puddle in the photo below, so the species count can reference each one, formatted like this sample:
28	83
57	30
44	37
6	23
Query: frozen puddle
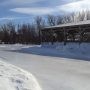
14	78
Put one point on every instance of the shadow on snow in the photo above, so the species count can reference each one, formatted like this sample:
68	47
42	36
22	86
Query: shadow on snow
51	52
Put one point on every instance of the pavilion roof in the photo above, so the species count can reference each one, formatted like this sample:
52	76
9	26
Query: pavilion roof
86	22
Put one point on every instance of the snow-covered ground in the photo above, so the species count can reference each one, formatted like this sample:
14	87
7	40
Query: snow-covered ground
52	73
14	78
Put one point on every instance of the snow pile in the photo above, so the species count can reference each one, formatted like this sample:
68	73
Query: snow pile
14	78
49	45
83	48
73	50
70	47
15	46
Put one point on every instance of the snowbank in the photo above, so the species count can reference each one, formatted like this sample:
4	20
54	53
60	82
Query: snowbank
14	78
80	51
70	47
83	48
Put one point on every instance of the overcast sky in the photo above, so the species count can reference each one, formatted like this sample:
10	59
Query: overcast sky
25	10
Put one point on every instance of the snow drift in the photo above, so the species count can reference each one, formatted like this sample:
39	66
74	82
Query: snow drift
14	78
80	51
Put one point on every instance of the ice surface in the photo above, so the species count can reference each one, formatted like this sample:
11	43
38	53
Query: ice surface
50	66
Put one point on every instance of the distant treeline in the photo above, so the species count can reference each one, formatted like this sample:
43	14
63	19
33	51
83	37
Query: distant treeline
31	33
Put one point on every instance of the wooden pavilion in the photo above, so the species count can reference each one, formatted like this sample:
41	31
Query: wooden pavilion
70	32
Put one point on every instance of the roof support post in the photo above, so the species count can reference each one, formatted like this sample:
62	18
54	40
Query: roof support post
81	34
40	36
52	37
65	36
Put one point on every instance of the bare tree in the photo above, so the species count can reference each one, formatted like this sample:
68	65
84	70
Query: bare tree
51	20
88	14
66	19
59	20
8	32
40	23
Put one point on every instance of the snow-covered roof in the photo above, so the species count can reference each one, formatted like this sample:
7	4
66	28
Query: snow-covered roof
70	24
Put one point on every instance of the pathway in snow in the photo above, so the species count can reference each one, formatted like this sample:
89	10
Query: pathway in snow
52	73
